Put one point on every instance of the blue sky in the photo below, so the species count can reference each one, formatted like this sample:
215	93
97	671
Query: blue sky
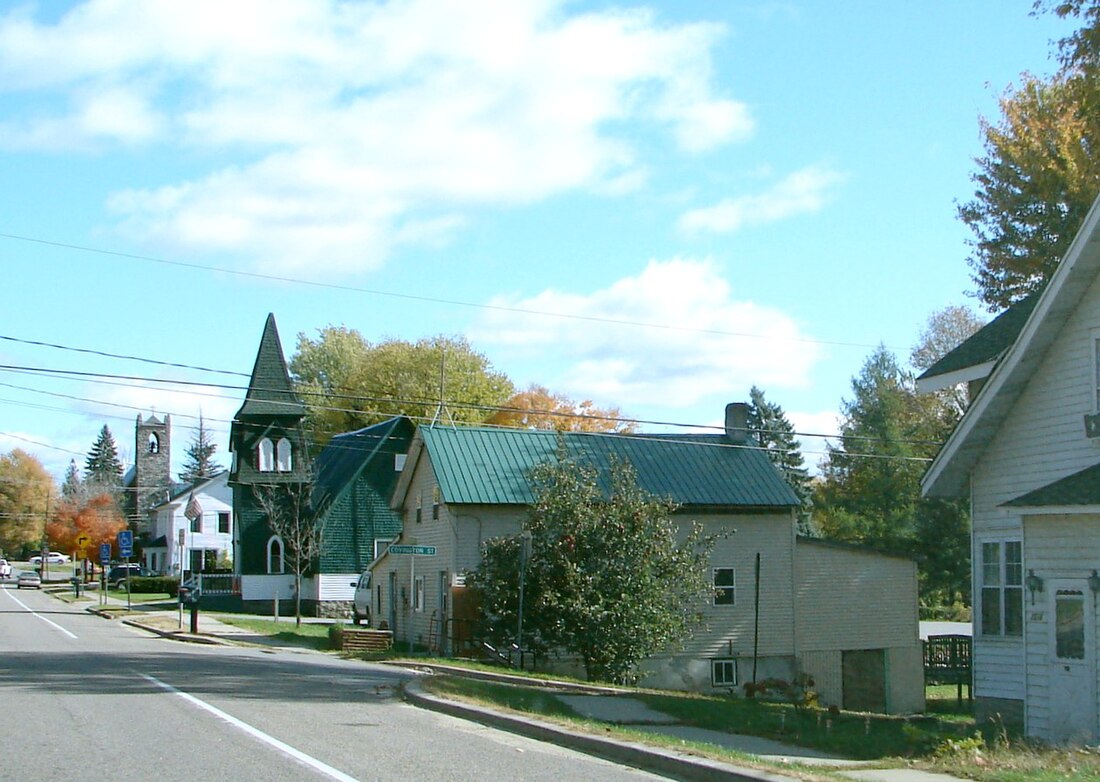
650	205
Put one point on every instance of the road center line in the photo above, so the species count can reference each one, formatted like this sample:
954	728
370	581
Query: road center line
286	749
35	613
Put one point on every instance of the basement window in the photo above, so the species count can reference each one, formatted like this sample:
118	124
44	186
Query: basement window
723	672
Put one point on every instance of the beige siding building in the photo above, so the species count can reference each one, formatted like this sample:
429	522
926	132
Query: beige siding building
462	487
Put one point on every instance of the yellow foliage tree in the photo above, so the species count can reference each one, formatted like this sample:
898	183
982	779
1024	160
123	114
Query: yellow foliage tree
538	408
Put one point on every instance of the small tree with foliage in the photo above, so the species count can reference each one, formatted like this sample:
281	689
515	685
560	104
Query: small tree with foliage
290	517
608	578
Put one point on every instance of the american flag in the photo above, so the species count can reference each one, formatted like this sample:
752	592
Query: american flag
193	510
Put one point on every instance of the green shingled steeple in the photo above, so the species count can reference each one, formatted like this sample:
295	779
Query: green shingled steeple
269	391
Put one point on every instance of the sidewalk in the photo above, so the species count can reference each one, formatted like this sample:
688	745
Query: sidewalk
604	704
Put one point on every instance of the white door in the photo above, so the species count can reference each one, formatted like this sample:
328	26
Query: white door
1072	665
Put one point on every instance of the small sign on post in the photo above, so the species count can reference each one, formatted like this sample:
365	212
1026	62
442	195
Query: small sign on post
422	551
125	544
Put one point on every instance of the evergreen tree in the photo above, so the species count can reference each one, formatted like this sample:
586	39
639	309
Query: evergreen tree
73	488
199	461
102	467
772	431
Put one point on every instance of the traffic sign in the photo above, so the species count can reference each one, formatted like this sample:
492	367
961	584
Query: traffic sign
424	551
82	541
125	544
104	553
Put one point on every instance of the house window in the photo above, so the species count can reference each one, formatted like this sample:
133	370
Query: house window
419	512
723	673
283	462
275	555
418	595
223	522
1002	589
435	502
265	456
725	586
380	546
399	462
196	523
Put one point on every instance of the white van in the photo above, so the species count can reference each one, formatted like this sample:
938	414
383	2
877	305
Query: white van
360	608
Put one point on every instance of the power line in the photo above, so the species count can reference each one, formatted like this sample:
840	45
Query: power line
419	297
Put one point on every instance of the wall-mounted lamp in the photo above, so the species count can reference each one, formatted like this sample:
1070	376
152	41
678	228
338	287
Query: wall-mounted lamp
1034	584
1094	581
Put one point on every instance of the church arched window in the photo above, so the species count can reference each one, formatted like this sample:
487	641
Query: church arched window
284	462
275	555
265	456
154	443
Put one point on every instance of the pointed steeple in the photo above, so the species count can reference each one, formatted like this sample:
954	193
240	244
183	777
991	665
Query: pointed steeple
269	391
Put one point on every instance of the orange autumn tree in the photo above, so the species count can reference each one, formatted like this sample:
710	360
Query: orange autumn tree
538	408
98	517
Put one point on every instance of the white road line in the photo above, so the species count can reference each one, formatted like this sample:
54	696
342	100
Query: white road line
286	749
34	613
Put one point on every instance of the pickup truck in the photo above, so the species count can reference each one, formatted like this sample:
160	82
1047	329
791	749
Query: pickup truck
5	569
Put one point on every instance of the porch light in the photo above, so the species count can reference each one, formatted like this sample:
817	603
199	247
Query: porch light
1094	581
1035	584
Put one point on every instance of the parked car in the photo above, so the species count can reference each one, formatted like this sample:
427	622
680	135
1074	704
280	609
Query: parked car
5	569
360	604
117	575
29	579
54	558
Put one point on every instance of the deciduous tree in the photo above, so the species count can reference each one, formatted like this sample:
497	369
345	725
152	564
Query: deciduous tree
538	408
1040	170
26	492
348	383
98	517
289	516
608	577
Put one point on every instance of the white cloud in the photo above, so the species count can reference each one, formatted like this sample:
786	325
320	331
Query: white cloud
357	126
804	191
706	344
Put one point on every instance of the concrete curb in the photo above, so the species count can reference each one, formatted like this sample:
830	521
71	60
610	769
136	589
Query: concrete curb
175	635
660	761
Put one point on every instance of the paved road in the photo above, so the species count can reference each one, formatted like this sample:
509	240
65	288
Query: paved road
82	695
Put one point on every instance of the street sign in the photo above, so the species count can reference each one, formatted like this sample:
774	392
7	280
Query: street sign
82	541
424	551
126	544
104	553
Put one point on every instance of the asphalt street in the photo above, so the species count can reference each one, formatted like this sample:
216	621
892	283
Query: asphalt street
83	696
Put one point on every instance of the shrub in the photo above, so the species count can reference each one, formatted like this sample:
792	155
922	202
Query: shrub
336	636
148	585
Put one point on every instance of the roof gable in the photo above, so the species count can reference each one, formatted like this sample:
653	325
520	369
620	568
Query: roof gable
975	356
948	475
349	455
476	465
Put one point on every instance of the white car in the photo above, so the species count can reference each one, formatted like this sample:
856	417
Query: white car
5	569
360	604
54	558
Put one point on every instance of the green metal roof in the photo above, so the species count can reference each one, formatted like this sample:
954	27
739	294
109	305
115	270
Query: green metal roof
988	342
1081	488
270	392
492	466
